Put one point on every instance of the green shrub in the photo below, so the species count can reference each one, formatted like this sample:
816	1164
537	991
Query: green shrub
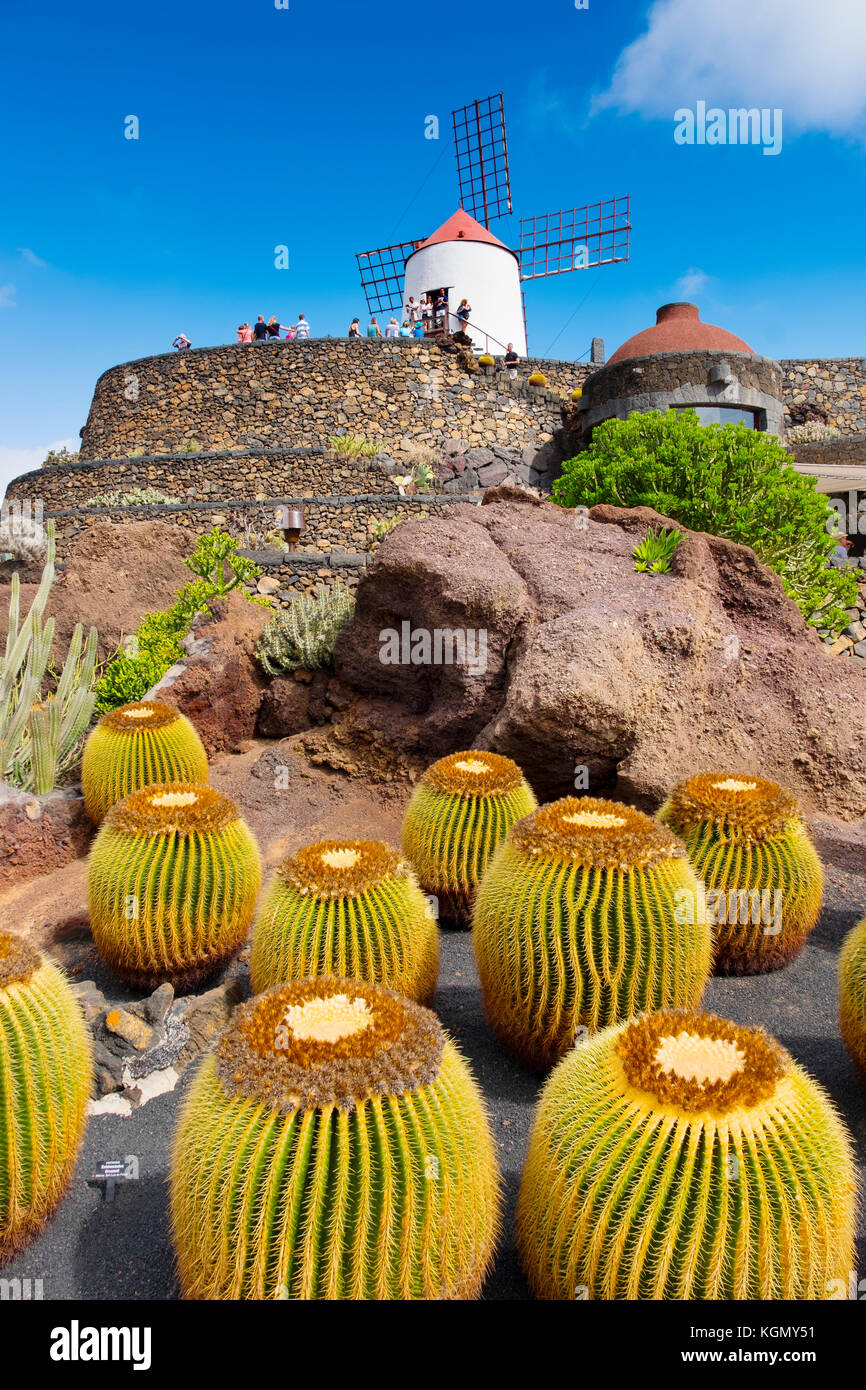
353	446
381	528
55	457
723	479
157	644
303	635
655	551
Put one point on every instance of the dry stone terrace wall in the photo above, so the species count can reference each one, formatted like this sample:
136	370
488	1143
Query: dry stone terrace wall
234	473
338	534
285	394
835	384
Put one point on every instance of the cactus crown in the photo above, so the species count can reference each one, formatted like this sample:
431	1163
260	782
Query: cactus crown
698	1062
326	1041
173	808
473	773
141	714
595	833
747	807
18	961
340	868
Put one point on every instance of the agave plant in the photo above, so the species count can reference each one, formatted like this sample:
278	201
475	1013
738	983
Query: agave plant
41	733
655	551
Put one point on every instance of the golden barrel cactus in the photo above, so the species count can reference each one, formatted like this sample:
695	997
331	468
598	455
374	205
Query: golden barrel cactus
45	1070
586	916
761	873
459	813
137	746
680	1156
346	907
172	882
333	1145
852	996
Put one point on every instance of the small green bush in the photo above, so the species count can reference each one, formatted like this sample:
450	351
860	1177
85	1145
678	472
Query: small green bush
157	644
55	457
353	446
726	480
655	551
302	637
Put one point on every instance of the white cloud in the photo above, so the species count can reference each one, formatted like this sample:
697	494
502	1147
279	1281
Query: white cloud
807	59
31	258
14	462
7	296
691	284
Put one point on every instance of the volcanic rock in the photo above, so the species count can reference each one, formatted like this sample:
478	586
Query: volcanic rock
219	686
641	679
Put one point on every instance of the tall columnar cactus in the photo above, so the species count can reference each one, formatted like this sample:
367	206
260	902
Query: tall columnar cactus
586	916
172	882
41	733
346	907
852	995
136	746
45	1068
681	1156
334	1145
459	814
763	879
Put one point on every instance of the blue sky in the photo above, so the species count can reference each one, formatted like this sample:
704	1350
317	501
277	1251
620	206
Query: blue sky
305	127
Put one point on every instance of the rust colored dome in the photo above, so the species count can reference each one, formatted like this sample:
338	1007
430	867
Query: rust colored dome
678	328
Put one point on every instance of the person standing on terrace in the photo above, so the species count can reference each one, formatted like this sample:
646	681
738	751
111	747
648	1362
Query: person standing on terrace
302	327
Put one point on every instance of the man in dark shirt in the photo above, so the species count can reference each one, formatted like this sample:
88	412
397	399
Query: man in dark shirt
511	358
260	329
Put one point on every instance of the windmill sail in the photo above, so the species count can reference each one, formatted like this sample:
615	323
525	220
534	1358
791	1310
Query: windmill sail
576	239
382	274
482	159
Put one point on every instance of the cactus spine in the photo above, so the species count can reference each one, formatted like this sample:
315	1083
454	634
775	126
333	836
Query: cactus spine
585	917
680	1156
137	746
40	735
763	878
351	908
459	814
45	1067
172	882
334	1145
852	996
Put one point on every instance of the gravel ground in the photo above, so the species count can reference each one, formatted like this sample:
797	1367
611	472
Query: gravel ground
94	1249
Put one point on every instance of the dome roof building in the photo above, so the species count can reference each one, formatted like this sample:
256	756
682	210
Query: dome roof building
681	363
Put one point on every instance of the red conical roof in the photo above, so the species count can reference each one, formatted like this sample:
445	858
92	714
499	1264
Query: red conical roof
462	227
678	328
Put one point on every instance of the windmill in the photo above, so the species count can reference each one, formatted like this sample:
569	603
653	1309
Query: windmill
463	258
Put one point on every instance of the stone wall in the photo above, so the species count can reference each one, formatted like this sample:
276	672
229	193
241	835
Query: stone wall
835	385
338	530
665	379
223	474
834	453
286	394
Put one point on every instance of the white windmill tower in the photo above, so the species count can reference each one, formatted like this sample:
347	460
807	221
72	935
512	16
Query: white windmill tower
467	261
464	259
